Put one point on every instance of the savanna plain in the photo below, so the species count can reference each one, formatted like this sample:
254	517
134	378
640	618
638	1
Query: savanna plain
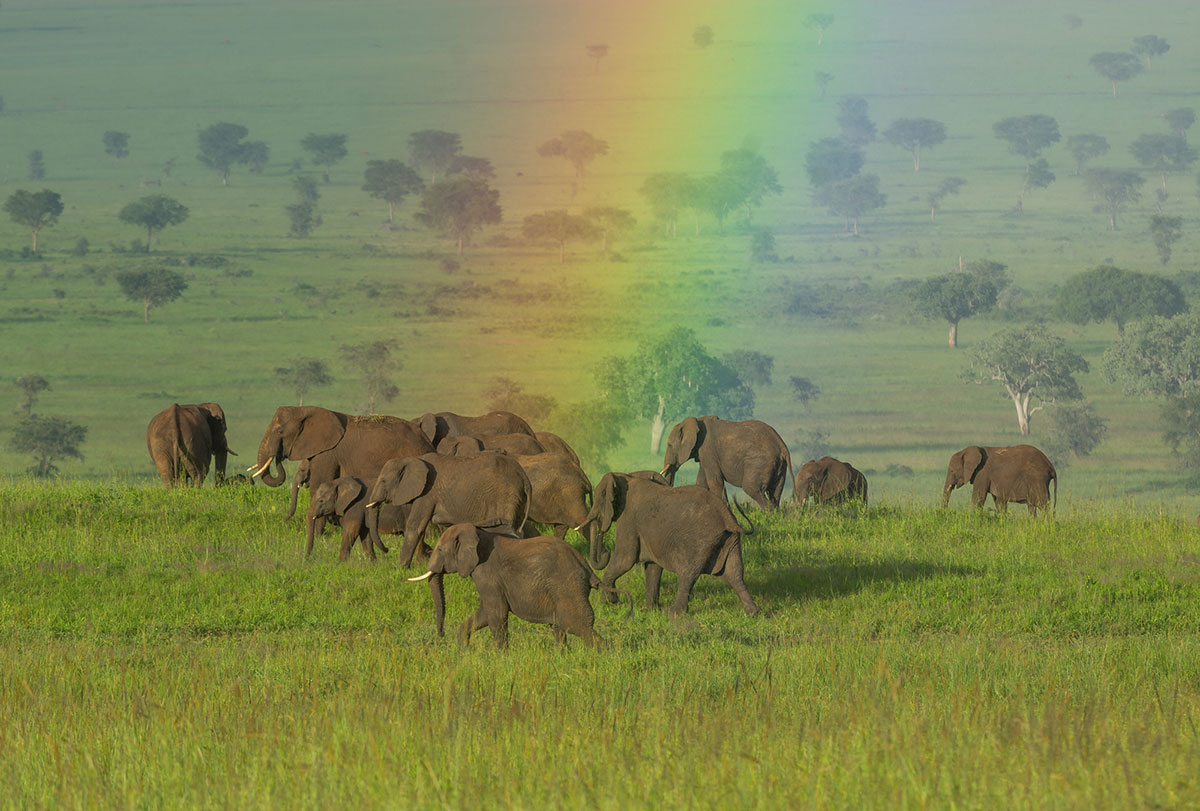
174	648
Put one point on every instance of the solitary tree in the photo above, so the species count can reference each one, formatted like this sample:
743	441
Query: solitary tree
578	147
221	146
1149	47
610	223
1163	154
1116	67
1165	231
747	178
376	364
667	193
1113	189
752	367
1084	147
326	149
913	134
703	36
153	287
391	181
255	154
116	144
822	79
852	198
48	439
302	215
433	150
853	124
955	296
1027	136
153	213
805	391
34	210
1180	120
458	207
1073	22
302	375
819	22
558	227
1073	430
31	386
1108	293
949	185
1032	365
669	377
832	159
37	165
596	53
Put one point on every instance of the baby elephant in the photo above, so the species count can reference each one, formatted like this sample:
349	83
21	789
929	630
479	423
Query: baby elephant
539	579
829	481
346	497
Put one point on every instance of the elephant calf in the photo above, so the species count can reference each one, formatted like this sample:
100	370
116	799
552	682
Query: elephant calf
829	480
1017	473
344	500
541	580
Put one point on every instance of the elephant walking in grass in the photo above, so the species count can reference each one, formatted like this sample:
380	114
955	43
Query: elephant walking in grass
542	580
183	440
829	481
1017	473
686	530
343	501
748	454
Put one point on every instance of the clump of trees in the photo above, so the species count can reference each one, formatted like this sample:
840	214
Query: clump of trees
506	394
558	227
223	145
578	147
1113	189
458	207
914	134
433	150
1108	293
1116	66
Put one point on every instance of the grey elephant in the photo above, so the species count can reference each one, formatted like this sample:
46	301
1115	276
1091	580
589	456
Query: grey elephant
561	491
748	454
686	530
543	580
829	481
1016	473
299	479
335	444
444	490
438	426
183	440
463	444
553	443
344	501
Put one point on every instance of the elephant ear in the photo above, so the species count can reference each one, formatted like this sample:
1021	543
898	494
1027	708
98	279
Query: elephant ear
319	429
690	435
429	427
214	411
349	490
412	480
972	460
610	499
500	526
466	550
303	471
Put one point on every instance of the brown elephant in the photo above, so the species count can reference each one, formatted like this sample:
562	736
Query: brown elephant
184	440
541	579
829	481
561	493
464	444
335	444
1017	473
343	500
553	443
687	530
437	427
299	479
749	454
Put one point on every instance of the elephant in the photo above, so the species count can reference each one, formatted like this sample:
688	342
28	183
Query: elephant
553	443
463	444
829	481
300	479
184	440
687	530
748	454
446	490
1017	473
543	580
561	491
335	444
437	427
343	500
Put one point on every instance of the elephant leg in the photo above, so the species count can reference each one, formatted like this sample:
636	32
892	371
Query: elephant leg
560	634
498	623
683	592
348	539
653	582
472	623
315	528
623	559
1001	504
560	531
734	576
414	530
701	479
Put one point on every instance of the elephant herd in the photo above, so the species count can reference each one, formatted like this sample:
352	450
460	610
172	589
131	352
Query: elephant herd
485	481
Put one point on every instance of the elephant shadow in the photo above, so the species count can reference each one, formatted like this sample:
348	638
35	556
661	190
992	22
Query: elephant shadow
823	577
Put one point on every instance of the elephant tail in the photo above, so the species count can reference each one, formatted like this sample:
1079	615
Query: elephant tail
1055	508
749	531
598	586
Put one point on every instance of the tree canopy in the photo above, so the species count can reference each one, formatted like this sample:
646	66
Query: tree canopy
1116	67
852	198
1027	135
667	193
1157	355
116	144
596	53
610	222
154	213
949	185
703	36
458	207
1165	231
1113	189
832	159
221	146
1084	147
578	147
31	386
952	297
376	363
302	375
558	227
433	150
853	124
391	181
819	22
478	168
326	150
48	439
1149	47
914	134
1180	120
1165	154
153	287
1108	293
34	210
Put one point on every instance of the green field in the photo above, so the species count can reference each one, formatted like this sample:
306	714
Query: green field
174	649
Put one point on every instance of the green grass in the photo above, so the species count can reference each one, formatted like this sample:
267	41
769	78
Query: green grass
167	648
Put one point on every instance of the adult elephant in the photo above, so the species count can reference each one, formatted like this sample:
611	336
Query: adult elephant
184	440
1016	473
437	427
748	454
334	444
561	491
464	444
686	530
553	443
829	480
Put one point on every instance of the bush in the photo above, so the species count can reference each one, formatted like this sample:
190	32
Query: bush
48	439
81	247
1073	430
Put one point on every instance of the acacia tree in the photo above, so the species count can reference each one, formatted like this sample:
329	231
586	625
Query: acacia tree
116	144
596	53
433	150
669	377
1149	47
578	147
458	207
326	149
914	134
820	23
610	222
48	439
221	146
748	178
1180	120
1032	365
1163	154
1084	147
667	193
31	386
952	297
949	185
1165	231
34	210
558	227
822	78
1027	136
1108	293
302	375
375	364
1116	67
852	198
1113	189
853	124
390	181
153	287
154	213
832	159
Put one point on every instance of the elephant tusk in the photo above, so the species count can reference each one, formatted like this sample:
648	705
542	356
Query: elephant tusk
260	471
373	504
425	576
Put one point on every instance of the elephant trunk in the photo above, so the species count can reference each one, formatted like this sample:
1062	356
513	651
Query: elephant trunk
437	589
668	473
946	491
371	514
271	450
598	554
